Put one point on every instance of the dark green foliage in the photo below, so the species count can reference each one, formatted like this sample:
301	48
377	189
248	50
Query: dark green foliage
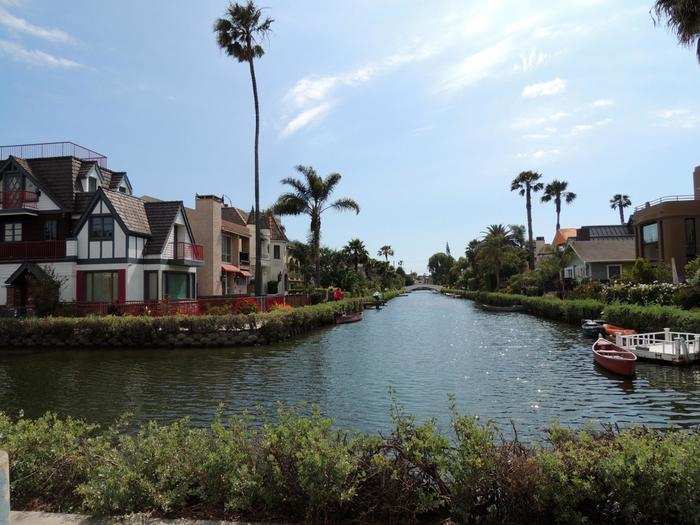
272	287
300	467
652	318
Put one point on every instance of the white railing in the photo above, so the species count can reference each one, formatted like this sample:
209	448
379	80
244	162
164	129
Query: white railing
667	341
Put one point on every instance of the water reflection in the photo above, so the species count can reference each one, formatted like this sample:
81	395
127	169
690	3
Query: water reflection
501	366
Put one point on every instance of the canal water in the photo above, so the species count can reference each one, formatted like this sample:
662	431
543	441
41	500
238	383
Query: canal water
425	347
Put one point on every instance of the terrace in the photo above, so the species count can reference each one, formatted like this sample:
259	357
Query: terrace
663	200
33	250
42	150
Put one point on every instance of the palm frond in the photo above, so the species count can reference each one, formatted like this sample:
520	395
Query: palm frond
346	204
290	204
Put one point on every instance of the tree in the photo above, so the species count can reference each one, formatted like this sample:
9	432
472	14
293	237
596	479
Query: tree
556	191
683	17
439	266
494	247
355	249
526	184
300	260
44	290
620	202
386	252
310	197
239	33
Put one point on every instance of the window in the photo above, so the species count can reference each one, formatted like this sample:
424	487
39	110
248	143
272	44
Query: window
690	240
122	189
150	282
101	229
650	241
277	251
226	248
178	285
50	230
102	287
13	232
568	272
92	184
614	271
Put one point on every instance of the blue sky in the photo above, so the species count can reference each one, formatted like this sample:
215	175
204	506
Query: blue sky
428	109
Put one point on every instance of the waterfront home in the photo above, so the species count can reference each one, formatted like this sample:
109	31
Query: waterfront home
599	259
665	229
62	209
227	234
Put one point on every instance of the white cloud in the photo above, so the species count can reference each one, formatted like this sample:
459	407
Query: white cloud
477	66
540	154
677	118
35	57
544	89
582	128
21	25
307	117
529	122
602	103
536	136
531	61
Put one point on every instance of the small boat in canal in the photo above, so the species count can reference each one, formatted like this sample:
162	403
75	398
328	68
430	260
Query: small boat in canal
349	318
613	358
612	330
592	327
493	308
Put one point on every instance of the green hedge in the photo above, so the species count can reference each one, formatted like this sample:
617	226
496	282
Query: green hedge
303	468
652	318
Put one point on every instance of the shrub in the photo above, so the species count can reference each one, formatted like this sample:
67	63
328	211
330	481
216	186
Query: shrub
692	271
687	297
272	287
588	290
652	318
642	294
643	272
275	307
245	305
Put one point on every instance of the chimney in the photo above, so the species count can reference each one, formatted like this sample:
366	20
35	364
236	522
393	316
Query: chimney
696	182
206	226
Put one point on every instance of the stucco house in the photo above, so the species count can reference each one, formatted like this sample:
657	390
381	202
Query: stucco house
71	214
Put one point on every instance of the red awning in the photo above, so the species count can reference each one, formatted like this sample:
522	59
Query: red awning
231	268
246	273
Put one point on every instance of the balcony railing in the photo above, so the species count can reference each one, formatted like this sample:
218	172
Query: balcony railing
32	250
18	199
244	258
52	149
661	200
184	251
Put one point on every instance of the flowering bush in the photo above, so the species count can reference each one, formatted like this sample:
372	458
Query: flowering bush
246	305
277	307
642	294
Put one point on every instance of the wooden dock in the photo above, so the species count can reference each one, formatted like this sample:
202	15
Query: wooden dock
677	348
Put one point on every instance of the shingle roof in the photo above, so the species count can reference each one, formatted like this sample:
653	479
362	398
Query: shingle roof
58	175
161	216
610	250
234	215
611	231
276	229
562	235
131	210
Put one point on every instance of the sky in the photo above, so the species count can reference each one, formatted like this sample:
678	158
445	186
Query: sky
428	109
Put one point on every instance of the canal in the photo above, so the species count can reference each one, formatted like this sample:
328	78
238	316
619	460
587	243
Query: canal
426	347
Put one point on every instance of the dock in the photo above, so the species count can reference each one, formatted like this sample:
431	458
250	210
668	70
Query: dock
677	348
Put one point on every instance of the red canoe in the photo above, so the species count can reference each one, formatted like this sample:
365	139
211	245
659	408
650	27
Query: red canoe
613	330
613	358
349	318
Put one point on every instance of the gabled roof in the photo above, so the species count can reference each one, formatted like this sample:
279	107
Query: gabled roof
161	217
131	210
276	229
32	268
609	250
234	220
562	235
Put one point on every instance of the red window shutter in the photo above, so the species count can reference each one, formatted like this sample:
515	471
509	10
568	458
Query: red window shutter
80	286
122	285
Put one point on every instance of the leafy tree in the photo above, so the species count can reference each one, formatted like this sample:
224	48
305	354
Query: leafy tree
386	252
310	197
526	183
239	33
356	250
439	266
643	272
556	191
683	17
44	290
300	260
620	201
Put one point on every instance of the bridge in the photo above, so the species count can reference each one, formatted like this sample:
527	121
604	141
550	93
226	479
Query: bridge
417	287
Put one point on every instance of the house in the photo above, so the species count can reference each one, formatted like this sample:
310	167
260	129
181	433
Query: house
227	234
665	229
68	214
598	260
562	235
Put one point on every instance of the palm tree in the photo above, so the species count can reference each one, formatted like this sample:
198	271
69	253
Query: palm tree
239	33
357	252
526	184
620	202
556	191
497	238
310	197
683	17
386	252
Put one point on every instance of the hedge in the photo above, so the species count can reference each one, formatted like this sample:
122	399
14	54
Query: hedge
652	318
303	468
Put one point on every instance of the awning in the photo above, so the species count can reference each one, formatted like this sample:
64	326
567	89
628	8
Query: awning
231	268
246	273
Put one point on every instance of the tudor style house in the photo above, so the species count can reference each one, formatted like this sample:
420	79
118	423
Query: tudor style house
62	211
227	234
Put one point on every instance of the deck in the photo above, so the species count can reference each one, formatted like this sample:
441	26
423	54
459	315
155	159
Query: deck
678	348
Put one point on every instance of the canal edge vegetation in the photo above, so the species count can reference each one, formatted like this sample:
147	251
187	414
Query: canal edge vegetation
175	331
300	467
641	318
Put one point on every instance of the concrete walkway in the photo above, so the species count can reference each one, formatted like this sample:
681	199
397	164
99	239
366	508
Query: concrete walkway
46	518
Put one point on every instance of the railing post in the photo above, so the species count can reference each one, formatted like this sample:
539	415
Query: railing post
4	488
667	334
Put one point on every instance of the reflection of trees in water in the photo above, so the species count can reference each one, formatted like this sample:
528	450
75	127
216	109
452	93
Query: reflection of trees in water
680	378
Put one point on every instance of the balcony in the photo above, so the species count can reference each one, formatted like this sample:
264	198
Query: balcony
19	200
184	251
32	250
663	200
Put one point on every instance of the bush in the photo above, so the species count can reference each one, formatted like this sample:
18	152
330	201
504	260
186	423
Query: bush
272	287
652	318
692	271
588	290
245	305
687	297
642	294
643	272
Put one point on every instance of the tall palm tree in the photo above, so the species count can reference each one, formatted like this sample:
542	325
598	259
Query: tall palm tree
239	33
386	252
556	191
357	252
620	201
683	17
526	184
310	197
492	249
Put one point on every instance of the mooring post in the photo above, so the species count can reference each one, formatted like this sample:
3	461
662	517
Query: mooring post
4	488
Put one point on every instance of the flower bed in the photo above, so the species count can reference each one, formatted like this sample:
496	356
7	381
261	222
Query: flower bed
301	468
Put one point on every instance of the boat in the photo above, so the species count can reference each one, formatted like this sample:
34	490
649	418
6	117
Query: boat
492	308
349	318
613	358
613	330
592	327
